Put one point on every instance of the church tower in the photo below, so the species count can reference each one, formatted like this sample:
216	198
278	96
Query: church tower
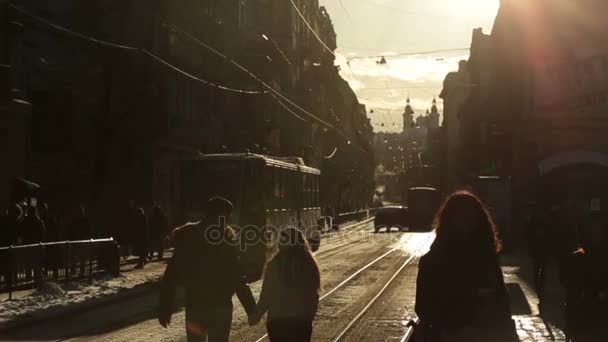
408	116
434	116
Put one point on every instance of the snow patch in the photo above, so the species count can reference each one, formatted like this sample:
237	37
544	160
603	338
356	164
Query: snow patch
53	299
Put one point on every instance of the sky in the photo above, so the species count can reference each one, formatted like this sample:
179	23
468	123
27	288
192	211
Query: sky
388	27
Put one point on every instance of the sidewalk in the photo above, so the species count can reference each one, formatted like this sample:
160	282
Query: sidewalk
524	301
52	300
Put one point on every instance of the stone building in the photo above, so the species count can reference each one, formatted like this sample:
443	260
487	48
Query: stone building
536	112
15	111
124	90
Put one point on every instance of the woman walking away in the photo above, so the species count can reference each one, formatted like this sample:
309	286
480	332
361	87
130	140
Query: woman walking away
290	293
461	293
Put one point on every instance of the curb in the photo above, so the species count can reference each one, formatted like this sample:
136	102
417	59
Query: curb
57	313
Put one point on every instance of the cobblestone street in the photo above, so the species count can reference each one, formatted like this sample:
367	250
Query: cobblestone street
343	260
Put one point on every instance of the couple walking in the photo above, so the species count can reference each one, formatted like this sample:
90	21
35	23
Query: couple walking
205	263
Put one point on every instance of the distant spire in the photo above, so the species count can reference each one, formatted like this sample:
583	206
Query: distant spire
408	99
434	109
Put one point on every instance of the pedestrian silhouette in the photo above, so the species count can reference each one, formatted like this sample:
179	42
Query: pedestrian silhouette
159	230
33	230
51	223
461	294
205	263
290	293
140	237
539	245
10	226
53	233
9	232
80	228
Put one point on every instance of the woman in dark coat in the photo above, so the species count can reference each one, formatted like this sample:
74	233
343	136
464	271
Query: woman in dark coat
290	293
461	294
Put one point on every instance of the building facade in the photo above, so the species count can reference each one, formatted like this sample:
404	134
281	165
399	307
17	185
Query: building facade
536	111
125	90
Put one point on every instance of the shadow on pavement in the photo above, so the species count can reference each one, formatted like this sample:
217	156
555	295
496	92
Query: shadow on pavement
519	302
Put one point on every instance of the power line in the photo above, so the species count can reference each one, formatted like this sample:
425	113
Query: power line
311	29
252	75
344	8
177	69
396	88
286	107
129	48
409	53
385	82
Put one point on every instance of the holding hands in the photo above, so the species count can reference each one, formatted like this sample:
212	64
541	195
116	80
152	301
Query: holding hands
255	318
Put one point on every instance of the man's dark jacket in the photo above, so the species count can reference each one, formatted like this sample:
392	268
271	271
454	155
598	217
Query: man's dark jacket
208	271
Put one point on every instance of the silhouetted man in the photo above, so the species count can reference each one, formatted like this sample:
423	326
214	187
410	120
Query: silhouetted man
141	237
205	263
539	249
34	230
9	228
80	228
159	229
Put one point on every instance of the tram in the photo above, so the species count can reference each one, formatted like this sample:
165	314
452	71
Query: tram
268	194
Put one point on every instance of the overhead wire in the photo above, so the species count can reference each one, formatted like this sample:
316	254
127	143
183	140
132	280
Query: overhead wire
413	53
312	30
385	82
129	48
271	90
344	8
249	73
261	82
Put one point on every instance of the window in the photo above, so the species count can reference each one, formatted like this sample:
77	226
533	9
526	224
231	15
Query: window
316	192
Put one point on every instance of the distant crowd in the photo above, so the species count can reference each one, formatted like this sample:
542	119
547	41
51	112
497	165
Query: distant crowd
136	233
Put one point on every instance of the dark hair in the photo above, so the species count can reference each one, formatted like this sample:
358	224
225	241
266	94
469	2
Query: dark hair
294	261
484	235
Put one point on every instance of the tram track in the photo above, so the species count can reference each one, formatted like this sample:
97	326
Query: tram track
369	304
338	240
373	266
134	319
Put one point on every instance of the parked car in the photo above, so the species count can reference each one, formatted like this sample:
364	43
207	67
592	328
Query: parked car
391	217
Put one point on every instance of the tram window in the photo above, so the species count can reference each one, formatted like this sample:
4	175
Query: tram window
311	193
304	190
307	190
315	200
283	189
291	190
276	182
